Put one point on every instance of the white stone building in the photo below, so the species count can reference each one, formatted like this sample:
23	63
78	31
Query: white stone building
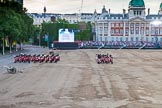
135	25
132	26
39	18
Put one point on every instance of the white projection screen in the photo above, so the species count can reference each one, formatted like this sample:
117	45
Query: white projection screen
66	35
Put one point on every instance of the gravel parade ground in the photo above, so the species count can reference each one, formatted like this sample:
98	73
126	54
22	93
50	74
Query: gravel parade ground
77	81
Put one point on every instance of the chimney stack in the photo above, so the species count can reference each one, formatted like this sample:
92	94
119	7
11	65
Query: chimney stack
124	12
148	11
109	11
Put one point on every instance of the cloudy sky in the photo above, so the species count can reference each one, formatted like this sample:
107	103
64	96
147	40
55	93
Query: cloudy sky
74	6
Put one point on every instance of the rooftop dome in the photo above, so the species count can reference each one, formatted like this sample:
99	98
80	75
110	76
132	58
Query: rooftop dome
104	9
161	6
136	3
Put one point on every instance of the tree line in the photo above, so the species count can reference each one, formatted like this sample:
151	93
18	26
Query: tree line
52	29
15	24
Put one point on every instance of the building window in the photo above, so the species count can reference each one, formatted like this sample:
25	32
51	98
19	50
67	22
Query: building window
135	12
131	25
105	24
132	39
161	39
117	25
112	38
121	39
117	31
106	39
139	12
105	28
126	25
101	29
126	39
132	30
156	31
112	31
142	31
152	39
112	24
147	39
121	31
100	38
117	39
121	24
160	30
147	31
137	30
105	34
137	39
126	31
137	24
100	24
152	31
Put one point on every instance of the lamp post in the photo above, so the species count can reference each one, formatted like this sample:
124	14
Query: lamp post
3	47
39	35
3	43
47	39
156	23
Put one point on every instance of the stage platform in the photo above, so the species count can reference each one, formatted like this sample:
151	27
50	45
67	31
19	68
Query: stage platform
66	45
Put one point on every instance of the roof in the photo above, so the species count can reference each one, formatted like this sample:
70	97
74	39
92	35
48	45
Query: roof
153	16
136	3
161	6
116	16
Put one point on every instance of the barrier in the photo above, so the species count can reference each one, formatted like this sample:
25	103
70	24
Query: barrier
66	45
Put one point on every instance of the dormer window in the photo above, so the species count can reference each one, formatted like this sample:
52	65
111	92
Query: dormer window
135	12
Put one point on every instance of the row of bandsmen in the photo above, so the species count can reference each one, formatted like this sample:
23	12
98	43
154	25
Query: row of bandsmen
36	58
104	58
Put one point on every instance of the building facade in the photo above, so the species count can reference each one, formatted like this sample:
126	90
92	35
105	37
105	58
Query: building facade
132	26
39	18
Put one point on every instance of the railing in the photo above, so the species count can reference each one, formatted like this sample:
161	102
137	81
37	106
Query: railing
118	44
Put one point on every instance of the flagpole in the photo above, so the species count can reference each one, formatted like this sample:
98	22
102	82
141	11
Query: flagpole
3	47
39	36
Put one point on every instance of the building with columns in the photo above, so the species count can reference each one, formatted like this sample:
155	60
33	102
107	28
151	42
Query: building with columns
39	18
135	25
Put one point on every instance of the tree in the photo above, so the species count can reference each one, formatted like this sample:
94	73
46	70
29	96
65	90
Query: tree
53	28
14	22
62	21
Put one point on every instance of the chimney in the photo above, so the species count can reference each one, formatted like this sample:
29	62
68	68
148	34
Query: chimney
109	12
148	11
124	12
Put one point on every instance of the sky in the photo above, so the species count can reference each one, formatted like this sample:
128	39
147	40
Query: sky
74	6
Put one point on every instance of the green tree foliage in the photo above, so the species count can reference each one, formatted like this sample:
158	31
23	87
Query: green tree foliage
14	22
62	21
35	34
52	30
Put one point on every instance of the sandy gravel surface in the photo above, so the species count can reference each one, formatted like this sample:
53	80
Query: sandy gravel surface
133	81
